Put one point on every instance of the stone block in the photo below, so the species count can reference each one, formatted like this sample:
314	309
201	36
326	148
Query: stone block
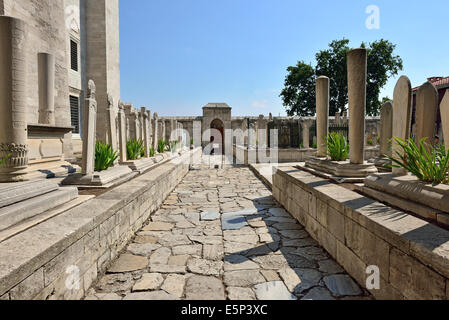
29	288
351	263
59	265
413	279
371	249
4	297
90	276
329	242
336	224
312	205
321	212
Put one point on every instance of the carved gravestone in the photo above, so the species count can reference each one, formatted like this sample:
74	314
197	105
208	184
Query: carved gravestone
89	130
122	131
402	116
444	110
386	130
112	130
426	112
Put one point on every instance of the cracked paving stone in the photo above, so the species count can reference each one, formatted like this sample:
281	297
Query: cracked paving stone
178	260
160	256
150	296
275	290
204	288
318	293
174	285
342	285
237	262
128	262
193	250
213	252
205	267
244	278
330	266
149	281
299	280
242	294
144	249
158	226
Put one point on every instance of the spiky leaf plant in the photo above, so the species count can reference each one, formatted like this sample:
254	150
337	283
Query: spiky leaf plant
135	149
337	147
104	156
428	163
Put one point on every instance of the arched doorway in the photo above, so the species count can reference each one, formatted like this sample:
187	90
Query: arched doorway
217	137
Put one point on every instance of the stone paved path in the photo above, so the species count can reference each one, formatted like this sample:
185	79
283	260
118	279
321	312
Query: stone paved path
221	235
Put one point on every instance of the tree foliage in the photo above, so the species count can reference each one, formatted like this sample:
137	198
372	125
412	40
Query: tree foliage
299	93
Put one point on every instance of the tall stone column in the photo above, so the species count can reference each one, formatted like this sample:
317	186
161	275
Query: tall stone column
426	112
150	141
13	123
306	133
386	129
402	116
89	130
122	125
135	116
357	69
112	130
142	123
322	114
146	133
46	83
155	129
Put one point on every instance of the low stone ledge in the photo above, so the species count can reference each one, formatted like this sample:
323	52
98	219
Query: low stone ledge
412	254
33	264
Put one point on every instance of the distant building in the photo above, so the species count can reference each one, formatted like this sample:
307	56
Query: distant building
442	84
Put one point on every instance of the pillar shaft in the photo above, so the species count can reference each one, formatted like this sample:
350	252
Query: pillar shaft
146	138
155	129
386	129
122	127
13	123
89	131
322	114
357	69
46	79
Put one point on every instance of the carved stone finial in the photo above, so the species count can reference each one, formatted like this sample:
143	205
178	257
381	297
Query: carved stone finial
121	105
91	89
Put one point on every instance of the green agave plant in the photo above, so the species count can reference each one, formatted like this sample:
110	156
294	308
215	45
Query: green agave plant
337	147
135	149
428	163
104	156
152	152
162	146
173	146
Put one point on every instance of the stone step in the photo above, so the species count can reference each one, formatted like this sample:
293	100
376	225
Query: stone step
17	212
11	193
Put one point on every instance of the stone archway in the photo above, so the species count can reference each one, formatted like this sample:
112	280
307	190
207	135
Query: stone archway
218	146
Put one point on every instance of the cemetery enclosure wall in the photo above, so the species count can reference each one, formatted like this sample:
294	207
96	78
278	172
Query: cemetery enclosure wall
412	255
42	262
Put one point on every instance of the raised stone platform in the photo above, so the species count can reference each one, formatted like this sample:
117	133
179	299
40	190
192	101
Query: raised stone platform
140	165
24	200
381	164
407	192
101	180
412	254
341	169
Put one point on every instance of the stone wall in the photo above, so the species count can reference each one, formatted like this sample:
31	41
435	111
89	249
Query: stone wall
412	254
40	262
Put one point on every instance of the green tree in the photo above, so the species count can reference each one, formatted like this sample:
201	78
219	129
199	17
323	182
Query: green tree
299	98
299	92
332	64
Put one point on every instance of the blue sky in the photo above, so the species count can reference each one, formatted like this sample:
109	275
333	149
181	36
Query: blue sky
178	55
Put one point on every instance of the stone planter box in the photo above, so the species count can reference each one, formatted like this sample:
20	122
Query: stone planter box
407	192
412	255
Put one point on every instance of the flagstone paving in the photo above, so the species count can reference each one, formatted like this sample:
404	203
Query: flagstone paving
221	235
